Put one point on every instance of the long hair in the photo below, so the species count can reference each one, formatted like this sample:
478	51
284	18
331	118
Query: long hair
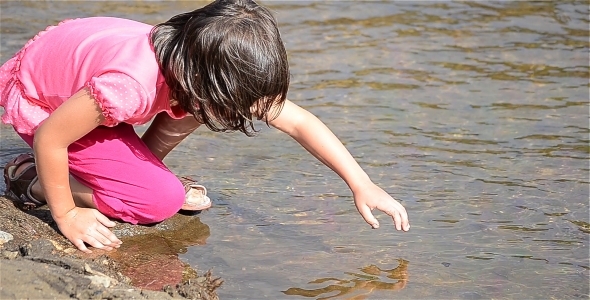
224	63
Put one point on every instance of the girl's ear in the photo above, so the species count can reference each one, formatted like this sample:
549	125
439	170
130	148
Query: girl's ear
174	102
273	111
255	111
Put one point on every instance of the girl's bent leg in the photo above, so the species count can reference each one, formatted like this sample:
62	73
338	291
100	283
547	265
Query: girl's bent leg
124	177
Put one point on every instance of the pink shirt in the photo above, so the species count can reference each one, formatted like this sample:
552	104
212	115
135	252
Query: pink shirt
113	57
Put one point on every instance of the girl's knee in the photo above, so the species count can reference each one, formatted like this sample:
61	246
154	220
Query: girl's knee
164	201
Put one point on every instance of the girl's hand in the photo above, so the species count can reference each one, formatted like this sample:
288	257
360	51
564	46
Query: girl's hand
370	197
88	225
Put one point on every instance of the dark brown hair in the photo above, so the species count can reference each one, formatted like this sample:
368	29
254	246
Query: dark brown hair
223	59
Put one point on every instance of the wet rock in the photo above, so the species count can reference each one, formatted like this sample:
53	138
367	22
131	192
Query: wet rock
204	290
176	222
150	257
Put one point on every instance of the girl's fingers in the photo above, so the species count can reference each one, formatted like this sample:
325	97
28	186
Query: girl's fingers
366	213
397	220
104	220
92	241
101	238
404	221
80	245
112	238
104	230
399	216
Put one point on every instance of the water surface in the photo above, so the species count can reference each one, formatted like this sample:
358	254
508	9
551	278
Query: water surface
473	114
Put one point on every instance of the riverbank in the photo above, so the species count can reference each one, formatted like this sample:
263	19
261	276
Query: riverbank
38	262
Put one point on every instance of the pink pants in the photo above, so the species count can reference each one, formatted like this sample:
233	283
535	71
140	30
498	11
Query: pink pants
129	182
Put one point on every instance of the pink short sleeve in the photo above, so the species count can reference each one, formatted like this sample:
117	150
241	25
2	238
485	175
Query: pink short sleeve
119	96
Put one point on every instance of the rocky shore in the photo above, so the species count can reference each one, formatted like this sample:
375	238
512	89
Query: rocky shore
37	262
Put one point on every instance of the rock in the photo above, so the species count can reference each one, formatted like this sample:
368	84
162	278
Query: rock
10	254
38	280
39	247
102	280
5	237
37	262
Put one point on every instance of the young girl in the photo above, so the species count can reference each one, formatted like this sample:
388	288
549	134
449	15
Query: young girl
74	92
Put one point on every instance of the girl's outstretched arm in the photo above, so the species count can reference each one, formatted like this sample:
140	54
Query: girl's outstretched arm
78	223
315	136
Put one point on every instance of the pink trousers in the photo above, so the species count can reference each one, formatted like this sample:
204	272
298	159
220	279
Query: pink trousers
129	182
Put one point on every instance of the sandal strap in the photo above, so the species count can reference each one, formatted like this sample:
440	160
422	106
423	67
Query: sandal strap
18	187
23	158
13	165
30	193
202	188
189	183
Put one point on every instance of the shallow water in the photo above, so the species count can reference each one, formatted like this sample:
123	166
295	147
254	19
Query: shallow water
473	114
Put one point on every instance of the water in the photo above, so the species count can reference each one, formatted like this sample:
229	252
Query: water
474	114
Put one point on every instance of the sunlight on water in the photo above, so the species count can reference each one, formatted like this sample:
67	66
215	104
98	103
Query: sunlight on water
473	114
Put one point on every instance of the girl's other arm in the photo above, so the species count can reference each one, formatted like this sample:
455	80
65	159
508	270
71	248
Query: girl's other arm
72	120
165	133
318	140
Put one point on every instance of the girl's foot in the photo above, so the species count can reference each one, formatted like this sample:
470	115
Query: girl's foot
195	195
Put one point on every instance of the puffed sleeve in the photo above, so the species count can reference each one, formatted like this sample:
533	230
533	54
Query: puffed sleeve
119	96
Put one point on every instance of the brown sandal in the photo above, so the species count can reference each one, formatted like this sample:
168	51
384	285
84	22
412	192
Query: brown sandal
195	195
18	186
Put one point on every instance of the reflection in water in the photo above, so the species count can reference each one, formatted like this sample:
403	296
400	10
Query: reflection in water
363	284
151	260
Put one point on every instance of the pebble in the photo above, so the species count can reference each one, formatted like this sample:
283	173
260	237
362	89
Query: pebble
5	237
10	254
